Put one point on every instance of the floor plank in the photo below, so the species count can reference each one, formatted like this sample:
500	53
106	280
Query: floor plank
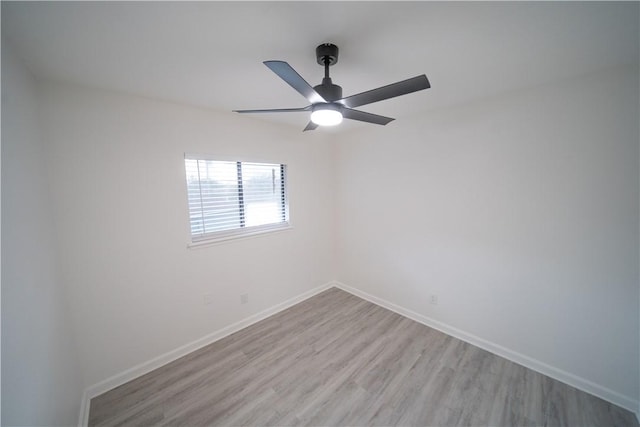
337	360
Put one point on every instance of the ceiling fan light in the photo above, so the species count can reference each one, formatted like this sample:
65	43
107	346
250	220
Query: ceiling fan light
326	115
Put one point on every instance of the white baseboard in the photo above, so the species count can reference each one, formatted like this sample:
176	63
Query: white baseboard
536	365
170	356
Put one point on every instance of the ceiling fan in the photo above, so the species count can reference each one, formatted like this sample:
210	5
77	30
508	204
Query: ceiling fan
328	107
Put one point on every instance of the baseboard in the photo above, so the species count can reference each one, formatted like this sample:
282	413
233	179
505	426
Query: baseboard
83	419
150	365
536	365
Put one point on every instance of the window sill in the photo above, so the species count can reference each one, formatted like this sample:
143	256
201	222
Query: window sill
198	244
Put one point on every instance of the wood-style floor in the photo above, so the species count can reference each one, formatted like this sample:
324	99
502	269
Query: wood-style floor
337	360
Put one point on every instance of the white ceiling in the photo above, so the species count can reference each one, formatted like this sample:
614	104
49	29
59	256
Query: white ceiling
210	54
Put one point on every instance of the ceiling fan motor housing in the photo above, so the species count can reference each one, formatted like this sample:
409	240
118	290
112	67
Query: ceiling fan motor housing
328	90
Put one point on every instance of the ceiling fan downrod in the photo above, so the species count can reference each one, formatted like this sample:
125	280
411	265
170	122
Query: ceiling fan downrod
327	55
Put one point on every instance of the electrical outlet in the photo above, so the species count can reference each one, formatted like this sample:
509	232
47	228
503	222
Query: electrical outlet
207	299
433	299
244	298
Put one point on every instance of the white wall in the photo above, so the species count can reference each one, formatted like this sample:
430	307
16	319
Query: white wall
519	212
41	382
117	174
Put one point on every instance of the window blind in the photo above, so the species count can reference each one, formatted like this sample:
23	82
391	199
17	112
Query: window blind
234	197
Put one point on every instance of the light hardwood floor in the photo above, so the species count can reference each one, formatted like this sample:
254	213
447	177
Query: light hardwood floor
337	360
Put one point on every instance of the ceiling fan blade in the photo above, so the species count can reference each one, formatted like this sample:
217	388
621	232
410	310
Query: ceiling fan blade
275	110
289	75
348	113
310	126
404	87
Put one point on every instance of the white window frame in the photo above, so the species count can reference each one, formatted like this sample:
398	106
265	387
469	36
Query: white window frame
243	232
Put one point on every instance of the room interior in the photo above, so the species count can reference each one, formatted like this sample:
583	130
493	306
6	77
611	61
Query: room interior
501	206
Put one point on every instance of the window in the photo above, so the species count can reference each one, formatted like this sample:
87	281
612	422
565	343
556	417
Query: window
233	199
